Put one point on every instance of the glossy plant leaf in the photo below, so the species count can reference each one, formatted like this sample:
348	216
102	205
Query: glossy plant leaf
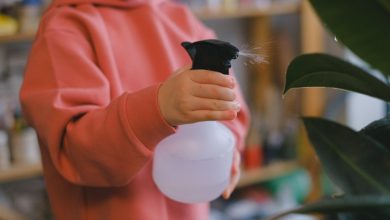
362	25
379	205
363	216
380	131
322	70
354	162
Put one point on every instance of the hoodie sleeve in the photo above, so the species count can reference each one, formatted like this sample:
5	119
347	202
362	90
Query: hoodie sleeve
92	138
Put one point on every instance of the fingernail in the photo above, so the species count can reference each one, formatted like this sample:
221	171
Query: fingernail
225	196
228	194
237	106
231	79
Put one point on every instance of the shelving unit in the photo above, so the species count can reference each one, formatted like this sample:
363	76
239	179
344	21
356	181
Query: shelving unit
7	213
265	173
16	38
249	12
259	31
247	178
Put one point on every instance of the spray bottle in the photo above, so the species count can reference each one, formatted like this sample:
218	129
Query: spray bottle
194	164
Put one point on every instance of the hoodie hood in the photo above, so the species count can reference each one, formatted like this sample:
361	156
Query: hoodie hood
115	3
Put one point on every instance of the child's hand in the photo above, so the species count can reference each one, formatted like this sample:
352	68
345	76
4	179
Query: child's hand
197	95
235	175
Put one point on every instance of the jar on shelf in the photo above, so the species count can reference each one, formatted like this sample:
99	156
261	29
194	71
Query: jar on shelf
30	15
24	147
8	25
214	5
230	5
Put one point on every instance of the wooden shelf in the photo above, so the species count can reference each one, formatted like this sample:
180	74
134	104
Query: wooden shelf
7	213
248	177
17	38
268	172
274	9
20	172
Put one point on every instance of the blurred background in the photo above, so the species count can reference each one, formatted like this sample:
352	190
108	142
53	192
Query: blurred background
279	168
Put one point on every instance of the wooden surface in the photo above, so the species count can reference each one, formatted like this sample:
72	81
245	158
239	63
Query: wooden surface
268	172
274	9
247	178
8	214
17	38
20	172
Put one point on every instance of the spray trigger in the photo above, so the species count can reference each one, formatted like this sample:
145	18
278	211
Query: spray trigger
214	55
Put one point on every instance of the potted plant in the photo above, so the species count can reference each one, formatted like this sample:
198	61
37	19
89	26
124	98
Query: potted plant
358	162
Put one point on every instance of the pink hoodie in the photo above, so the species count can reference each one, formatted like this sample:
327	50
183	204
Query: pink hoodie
90	91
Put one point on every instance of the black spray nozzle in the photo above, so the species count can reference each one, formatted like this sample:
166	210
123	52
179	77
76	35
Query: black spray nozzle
212	55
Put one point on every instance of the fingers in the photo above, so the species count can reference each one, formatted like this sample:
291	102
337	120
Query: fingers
212	104
207	115
235	175
213	92
211	77
199	109
232	185
197	95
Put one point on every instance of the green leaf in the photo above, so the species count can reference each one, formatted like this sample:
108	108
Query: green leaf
322	70
380	131
359	204
363	216
385	4
353	161
362	25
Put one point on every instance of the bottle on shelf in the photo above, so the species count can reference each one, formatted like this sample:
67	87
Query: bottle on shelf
5	161
29	16
253	152
6	121
24	143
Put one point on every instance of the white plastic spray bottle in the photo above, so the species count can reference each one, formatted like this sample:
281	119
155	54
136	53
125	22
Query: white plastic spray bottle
194	164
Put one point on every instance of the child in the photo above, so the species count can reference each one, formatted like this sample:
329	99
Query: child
100	92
